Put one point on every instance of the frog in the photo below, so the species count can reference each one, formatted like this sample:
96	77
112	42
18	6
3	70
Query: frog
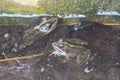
70	51
36	32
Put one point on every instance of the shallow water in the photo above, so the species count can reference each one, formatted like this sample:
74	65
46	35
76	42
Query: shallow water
103	64
12	70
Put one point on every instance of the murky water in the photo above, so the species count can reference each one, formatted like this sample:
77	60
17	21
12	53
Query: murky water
16	70
103	64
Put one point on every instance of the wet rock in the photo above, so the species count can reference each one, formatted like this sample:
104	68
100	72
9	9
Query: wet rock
7	35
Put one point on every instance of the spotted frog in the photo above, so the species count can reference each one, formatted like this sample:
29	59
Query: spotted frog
69	51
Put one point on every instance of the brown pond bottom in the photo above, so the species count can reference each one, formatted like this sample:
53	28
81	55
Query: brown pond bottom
104	64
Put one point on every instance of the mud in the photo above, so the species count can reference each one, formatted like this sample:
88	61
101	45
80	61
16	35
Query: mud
103	41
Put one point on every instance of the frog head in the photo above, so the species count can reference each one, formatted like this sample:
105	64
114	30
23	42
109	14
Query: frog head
47	26
62	48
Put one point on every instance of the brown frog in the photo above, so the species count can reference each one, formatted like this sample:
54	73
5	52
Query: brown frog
69	51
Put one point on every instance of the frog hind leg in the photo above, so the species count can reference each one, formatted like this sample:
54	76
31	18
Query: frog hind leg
81	59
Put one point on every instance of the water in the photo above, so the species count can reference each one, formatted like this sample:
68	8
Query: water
17	69
103	41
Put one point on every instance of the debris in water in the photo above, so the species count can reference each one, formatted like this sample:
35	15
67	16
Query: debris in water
14	50
6	35
15	47
86	70
117	63
42	69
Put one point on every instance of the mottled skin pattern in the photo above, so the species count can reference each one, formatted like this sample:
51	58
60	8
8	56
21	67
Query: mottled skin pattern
81	53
